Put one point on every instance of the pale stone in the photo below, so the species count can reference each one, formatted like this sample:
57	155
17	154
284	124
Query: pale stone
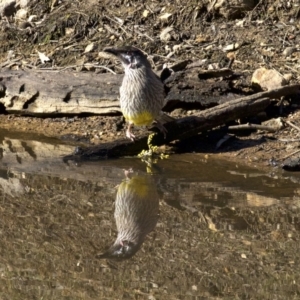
268	79
23	3
288	77
288	51
231	9
21	14
165	34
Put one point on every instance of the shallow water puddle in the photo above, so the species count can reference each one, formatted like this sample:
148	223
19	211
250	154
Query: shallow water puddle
194	226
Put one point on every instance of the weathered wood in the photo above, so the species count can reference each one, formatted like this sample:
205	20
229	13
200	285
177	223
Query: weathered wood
179	129
205	74
187	87
188	126
54	93
250	126
50	93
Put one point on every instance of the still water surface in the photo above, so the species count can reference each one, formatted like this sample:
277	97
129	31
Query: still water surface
192	227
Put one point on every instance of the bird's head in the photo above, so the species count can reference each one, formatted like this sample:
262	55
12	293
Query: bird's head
131	57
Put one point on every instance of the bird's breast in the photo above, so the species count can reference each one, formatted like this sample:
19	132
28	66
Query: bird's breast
144	118
141	97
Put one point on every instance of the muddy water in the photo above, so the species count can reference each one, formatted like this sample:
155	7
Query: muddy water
189	226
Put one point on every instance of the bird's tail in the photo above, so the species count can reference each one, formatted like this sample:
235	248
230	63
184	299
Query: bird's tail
164	118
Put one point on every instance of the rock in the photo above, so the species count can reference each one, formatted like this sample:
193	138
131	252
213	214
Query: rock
231	9
291	164
231	47
275	123
288	77
165	17
288	51
32	18
165	35
90	47
23	3
267	79
7	8
21	14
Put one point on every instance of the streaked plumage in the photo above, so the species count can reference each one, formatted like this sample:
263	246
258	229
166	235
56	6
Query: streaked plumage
142	92
136	215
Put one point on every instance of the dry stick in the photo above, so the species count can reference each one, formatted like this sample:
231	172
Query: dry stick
289	155
292	125
252	126
10	62
179	129
189	126
215	73
288	140
60	69
120	25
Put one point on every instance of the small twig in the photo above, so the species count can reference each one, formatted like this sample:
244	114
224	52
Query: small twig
288	140
252	11
292	125
296	71
211	7
207	44
144	34
252	126
283	40
71	46
58	69
289	155
230	63
105	68
274	94
223	140
9	62
116	22
205	74
165	57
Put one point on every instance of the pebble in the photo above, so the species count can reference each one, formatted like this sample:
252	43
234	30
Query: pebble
165	35
21	14
267	79
288	51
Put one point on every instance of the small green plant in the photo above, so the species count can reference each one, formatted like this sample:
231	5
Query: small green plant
152	155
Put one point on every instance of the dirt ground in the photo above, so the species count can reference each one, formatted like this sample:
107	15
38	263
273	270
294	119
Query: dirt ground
53	227
73	33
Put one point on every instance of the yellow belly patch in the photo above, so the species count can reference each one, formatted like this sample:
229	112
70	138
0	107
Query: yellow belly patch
139	185
141	119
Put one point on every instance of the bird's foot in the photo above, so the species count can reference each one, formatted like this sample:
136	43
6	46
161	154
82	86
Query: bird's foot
162	128
129	134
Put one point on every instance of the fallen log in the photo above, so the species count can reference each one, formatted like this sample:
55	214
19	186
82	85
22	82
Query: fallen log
53	93
59	93
188	126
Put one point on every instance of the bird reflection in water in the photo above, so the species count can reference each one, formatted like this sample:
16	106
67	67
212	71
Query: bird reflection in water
136	215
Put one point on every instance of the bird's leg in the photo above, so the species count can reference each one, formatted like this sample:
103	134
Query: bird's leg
129	134
161	127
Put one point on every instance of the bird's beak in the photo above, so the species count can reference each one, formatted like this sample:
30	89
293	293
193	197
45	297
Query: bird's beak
123	57
111	51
